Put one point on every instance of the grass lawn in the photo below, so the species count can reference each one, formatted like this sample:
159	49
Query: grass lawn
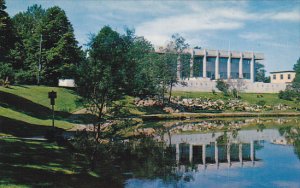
25	110
31	163
269	98
66	100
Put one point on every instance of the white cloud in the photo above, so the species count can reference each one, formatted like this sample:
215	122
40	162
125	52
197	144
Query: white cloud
287	16
255	36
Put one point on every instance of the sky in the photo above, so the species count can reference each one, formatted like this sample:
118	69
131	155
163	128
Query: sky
271	27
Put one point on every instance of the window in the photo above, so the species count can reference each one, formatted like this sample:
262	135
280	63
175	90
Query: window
289	76
281	76
274	76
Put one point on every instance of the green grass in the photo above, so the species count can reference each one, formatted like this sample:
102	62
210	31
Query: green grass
270	98
26	110
65	101
30	163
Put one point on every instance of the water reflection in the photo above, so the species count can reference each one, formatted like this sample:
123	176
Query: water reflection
236	155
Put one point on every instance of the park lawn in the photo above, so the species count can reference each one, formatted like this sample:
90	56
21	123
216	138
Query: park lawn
67	100
26	111
269	98
38	163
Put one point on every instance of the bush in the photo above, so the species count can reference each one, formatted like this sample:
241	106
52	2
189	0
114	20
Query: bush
6	71
223	87
261	103
25	77
287	94
213	92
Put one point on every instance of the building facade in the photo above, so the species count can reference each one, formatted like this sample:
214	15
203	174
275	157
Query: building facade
282	77
207	66
220	64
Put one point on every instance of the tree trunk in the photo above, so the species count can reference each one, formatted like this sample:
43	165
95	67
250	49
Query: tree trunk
170	93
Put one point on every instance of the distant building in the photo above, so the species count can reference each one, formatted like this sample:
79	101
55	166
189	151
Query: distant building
66	83
282	77
219	64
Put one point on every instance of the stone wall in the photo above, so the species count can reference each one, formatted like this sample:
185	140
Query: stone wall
207	85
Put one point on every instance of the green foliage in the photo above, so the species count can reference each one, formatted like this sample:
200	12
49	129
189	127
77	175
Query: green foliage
60	53
296	82
261	103
223	87
288	94
7	34
6	71
260	75
102	78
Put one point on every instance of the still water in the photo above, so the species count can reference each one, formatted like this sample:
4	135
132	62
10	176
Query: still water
243	153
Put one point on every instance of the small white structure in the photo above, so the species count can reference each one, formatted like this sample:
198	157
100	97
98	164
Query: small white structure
66	83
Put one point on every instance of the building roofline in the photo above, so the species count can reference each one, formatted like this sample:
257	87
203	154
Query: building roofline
281	71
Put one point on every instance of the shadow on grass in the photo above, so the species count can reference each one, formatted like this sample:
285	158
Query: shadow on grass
21	128
28	107
41	164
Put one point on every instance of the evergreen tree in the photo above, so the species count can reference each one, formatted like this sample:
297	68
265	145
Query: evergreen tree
296	81
60	47
7	42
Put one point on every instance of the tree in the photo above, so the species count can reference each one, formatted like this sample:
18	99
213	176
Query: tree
28	26
172	58
60	54
296	81
60	47
101	79
7	42
223	87
260	75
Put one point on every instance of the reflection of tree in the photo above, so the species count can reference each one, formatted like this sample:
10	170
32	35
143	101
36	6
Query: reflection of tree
141	158
292	135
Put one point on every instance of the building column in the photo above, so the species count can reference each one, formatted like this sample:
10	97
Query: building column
241	66
252	151
229	66
177	153
204	64
191	153
228	154
216	154
192	64
217	72
241	153
178	67
204	155
252	68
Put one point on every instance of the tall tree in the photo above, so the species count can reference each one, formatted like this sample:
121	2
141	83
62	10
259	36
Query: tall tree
60	47
173	54
260	73
296	81
28	26
7	42
51	30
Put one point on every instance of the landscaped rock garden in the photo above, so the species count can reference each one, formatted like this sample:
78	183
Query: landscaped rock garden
178	105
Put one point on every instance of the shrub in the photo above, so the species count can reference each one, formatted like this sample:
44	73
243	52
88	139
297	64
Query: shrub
223	87
287	94
261	103
213	92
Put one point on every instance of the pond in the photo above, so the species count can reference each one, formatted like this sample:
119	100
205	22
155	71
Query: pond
211	153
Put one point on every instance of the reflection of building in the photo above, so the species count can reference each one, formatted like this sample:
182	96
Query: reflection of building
282	76
210	151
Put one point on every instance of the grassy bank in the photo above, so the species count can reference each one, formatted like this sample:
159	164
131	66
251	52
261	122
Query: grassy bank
26	110
31	163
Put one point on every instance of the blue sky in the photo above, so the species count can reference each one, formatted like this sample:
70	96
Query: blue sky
271	27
